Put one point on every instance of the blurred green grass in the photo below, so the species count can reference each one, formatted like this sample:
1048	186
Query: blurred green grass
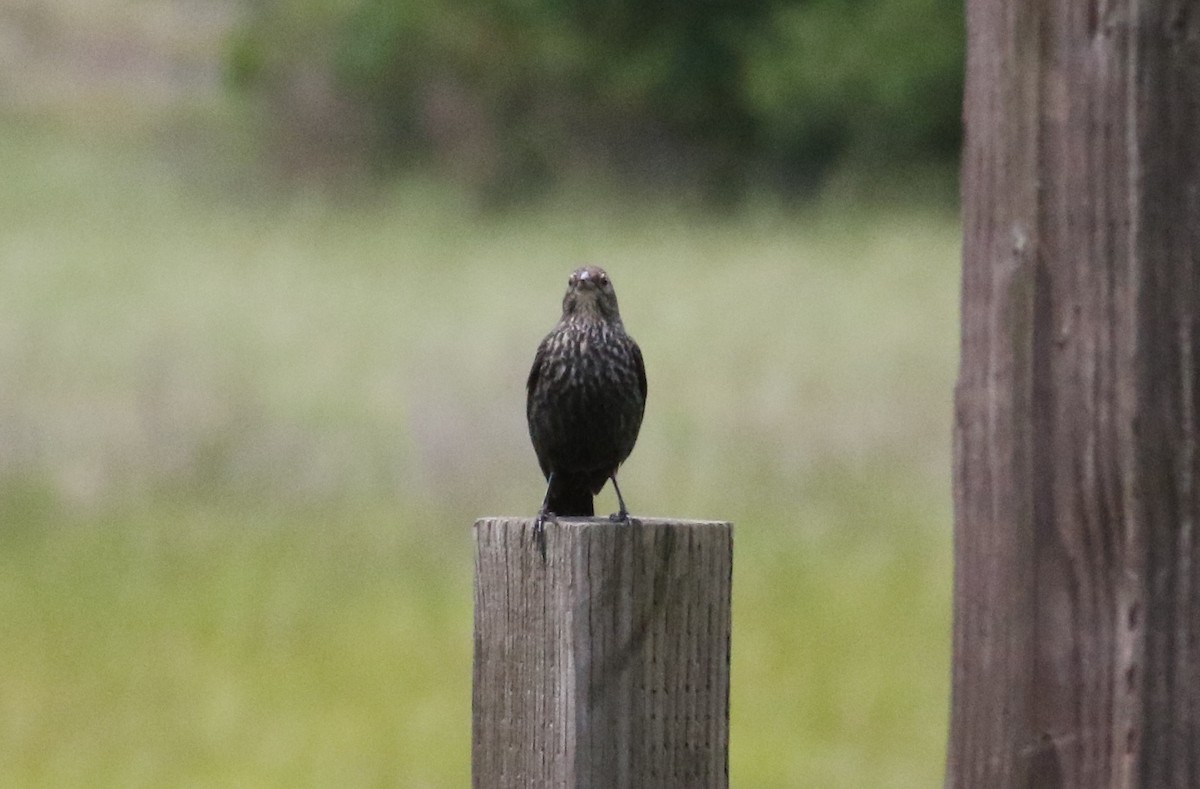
243	435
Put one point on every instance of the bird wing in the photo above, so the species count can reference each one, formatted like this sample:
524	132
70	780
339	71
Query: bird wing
640	367
534	373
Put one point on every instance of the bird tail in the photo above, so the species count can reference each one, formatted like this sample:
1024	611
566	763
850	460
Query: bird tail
568	497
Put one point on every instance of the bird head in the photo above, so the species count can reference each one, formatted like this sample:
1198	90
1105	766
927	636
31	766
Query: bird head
590	295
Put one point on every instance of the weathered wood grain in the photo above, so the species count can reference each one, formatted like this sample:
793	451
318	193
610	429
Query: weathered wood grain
606	665
1077	584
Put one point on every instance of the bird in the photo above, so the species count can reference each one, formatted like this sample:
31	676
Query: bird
585	398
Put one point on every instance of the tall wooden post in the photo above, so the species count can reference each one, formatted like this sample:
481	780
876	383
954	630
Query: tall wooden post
1077	476
605	665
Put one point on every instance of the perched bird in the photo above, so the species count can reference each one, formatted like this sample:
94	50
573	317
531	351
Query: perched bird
584	399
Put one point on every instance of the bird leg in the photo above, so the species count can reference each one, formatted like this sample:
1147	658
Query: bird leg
539	523
622	514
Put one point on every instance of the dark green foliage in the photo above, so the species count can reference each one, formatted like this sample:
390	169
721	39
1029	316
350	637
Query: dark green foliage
714	94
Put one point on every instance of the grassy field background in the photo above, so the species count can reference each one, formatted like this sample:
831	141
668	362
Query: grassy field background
244	433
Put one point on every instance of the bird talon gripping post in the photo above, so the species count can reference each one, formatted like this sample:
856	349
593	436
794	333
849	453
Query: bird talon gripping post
585	397
622	513
539	531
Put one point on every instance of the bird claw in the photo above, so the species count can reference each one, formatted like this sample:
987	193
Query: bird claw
539	530
619	517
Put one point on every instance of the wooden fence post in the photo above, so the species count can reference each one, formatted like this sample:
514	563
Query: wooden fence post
606	665
1077	460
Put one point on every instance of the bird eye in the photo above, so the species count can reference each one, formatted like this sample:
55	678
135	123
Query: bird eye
603	279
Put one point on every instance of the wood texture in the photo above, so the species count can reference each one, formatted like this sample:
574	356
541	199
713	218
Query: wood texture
1077	584
607	665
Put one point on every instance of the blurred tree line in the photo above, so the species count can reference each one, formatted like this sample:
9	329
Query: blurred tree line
513	95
